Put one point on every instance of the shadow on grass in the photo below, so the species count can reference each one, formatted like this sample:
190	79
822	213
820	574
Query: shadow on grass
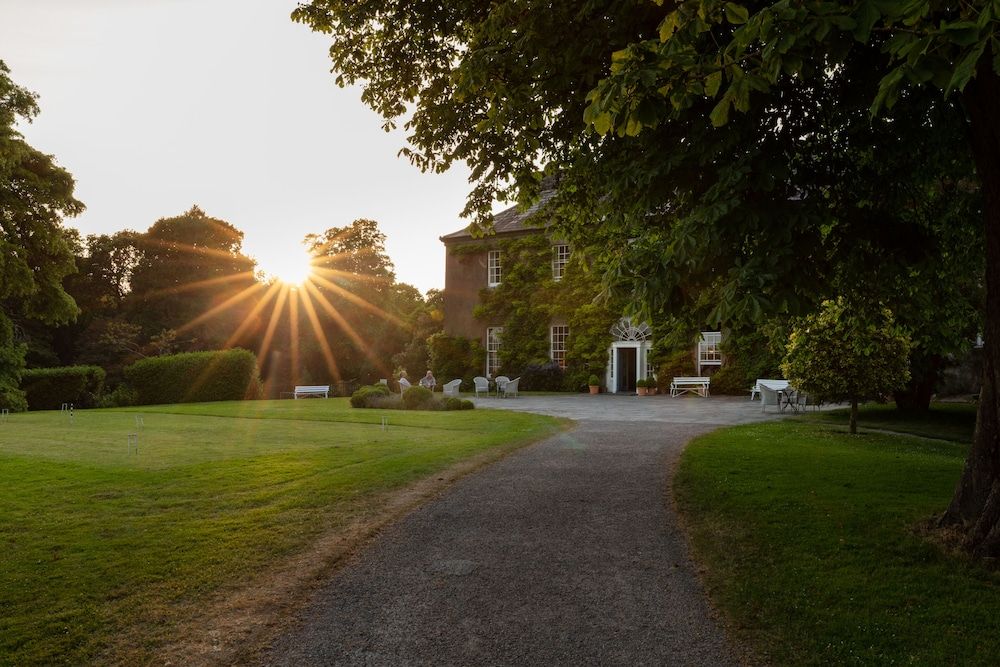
810	544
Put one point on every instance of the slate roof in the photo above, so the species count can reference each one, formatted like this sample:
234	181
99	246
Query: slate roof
510	220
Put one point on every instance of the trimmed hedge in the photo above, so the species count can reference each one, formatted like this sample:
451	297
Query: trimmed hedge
49	388
415	398
363	396
195	377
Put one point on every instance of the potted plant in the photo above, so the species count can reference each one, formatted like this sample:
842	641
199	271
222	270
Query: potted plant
595	384
641	387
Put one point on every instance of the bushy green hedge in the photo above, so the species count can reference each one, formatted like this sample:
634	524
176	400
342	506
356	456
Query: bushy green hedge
542	377
122	396
364	395
194	377
49	388
679	364
454	357
414	398
749	355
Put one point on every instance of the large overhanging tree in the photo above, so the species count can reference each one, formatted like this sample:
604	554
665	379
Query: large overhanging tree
738	55
35	195
721	132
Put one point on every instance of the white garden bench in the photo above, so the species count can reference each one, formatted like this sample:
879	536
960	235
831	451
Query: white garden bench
683	385
312	390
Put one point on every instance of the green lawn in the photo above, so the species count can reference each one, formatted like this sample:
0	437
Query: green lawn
96	542
808	542
947	421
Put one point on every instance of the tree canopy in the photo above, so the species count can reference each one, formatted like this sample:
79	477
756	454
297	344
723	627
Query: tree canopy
191	265
840	354
35	255
719	154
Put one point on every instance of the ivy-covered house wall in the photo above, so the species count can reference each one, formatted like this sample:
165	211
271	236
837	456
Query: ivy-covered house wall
542	299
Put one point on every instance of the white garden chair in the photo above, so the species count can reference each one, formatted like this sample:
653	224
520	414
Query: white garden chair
451	389
768	396
501	381
510	387
482	385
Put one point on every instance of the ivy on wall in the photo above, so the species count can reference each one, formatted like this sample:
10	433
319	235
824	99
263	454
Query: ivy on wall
528	301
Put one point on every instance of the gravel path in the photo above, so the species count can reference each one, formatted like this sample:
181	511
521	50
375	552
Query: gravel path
565	552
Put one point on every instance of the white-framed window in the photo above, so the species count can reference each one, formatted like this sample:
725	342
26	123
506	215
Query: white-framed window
493	269
708	348
709	353
557	348
560	256
493	350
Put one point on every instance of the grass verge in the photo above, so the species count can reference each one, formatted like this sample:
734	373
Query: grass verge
807	538
944	421
105	554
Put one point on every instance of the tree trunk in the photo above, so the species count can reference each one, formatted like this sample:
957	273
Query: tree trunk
854	415
916	396
975	507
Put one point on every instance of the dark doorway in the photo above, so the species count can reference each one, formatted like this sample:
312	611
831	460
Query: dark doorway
625	363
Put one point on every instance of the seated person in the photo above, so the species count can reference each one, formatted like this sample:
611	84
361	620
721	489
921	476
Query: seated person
404	383
428	381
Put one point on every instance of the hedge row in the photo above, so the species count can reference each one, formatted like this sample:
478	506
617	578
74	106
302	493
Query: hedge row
414	398
194	377
49	388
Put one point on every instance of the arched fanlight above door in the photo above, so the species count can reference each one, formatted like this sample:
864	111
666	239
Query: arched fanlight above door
623	329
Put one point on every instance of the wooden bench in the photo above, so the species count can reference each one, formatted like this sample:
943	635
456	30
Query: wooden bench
683	385
313	390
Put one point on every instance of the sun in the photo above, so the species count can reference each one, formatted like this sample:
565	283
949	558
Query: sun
292	267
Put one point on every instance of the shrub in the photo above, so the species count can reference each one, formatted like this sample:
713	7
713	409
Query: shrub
679	364
593	381
454	357
417	398
414	398
49	388
122	396
194	377
363	397
750	355
841	354
542	377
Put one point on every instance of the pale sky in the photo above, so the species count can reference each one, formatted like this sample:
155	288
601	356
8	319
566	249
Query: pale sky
155	105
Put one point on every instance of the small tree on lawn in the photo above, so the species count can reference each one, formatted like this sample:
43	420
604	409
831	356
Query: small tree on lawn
840	354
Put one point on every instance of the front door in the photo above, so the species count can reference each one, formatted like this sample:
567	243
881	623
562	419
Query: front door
625	364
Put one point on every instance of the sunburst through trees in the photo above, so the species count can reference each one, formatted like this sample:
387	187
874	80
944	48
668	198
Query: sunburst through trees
334	314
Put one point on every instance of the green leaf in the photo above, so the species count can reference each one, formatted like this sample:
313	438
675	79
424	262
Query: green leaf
866	17
965	68
736	14
720	114
712	83
669	26
602	123
963	33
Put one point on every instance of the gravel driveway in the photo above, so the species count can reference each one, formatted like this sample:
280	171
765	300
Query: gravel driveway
565	552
